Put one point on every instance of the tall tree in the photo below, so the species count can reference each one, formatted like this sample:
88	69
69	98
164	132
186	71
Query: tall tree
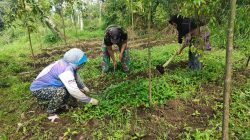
59	9
43	10
2	4
24	11
72	11
149	54
248	61
81	6
228	69
100	11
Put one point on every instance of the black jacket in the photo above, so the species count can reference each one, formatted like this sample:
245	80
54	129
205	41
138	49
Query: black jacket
184	25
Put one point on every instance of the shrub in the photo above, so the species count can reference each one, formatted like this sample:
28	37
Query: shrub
51	38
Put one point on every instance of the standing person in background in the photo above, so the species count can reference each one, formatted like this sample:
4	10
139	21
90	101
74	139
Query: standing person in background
188	30
59	83
118	36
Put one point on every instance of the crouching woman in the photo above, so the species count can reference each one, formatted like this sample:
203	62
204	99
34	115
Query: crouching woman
59	83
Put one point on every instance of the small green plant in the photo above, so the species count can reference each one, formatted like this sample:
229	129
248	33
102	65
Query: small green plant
51	38
15	67
69	134
3	137
196	113
198	135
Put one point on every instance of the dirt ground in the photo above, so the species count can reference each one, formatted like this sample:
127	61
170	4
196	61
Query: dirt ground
177	113
92	47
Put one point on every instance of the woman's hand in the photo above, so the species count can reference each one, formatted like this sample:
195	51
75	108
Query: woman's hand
86	89
93	101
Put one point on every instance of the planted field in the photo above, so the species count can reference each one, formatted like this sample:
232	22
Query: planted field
186	104
181	104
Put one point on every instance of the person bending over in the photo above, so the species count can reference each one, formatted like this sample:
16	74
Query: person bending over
118	36
189	32
59	83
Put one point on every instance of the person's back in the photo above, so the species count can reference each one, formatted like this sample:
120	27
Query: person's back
189	29
49	76
184	25
115	35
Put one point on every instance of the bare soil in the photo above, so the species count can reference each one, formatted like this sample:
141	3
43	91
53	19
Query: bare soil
178	114
92	48
174	117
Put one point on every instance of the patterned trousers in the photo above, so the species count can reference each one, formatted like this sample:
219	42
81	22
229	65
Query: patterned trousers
54	97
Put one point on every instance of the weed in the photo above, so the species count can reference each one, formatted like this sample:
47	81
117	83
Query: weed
51	38
69	134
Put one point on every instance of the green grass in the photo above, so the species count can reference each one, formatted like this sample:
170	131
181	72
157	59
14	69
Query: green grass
20	44
121	97
85	33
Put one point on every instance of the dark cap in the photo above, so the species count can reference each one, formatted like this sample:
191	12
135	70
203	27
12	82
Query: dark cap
115	35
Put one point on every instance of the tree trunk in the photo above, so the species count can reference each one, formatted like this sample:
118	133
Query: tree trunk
31	48
149	57
100	12
228	70
78	19
81	24
132	15
72	18
64	35
248	61
53	28
132	21
76	30
200	43
75	24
